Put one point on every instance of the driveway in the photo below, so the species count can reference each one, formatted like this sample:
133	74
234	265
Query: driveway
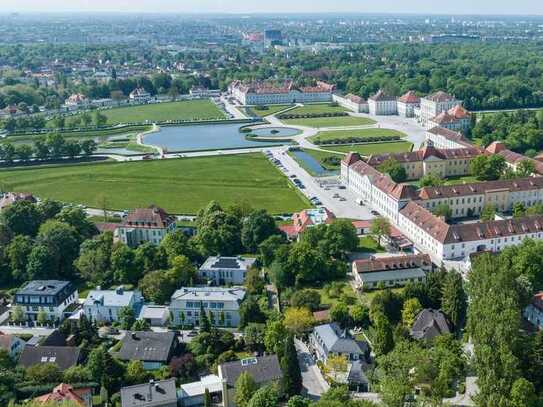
313	382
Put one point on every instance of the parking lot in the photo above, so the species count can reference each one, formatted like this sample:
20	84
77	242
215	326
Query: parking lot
327	192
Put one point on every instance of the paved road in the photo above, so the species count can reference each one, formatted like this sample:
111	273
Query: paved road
313	382
342	209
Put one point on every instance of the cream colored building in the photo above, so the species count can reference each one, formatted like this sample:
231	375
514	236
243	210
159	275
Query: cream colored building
432	105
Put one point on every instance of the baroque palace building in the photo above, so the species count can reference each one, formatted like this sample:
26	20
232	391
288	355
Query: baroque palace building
410	209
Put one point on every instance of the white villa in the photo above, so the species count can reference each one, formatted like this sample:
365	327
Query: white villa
432	105
104	305
221	270
145	225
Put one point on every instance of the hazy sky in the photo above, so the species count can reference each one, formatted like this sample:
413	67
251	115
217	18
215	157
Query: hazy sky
524	7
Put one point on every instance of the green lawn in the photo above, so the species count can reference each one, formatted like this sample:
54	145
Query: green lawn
178	185
369	244
269	109
334	292
374	148
467	179
319	156
330	121
318	108
184	110
325	136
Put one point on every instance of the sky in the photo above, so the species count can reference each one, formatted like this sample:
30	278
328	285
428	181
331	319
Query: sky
518	7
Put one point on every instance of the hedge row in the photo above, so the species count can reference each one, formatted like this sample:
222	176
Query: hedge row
354	140
287	116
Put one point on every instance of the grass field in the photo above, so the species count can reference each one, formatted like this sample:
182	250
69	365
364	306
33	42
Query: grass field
325	136
270	109
184	110
178	185
318	108
330	121
374	148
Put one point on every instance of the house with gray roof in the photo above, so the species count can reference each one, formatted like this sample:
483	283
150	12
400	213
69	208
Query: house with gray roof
105	305
222	303
264	370
429	324
221	270
62	356
154	349
161	393
330	340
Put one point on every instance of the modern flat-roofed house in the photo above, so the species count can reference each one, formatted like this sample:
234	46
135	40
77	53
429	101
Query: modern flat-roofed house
221	270
51	296
429	324
264	370
330	340
192	394
534	311
155	315
161	393
62	356
105	305
154	349
382	104
222	303
391	271
145	225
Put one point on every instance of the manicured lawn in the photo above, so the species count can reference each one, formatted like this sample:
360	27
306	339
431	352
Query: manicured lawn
325	136
468	179
184	110
331	121
374	148
318	108
369	244
271	109
178	185
367	296
333	292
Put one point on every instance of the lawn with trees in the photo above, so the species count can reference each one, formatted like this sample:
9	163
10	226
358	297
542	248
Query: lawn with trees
179	186
340	121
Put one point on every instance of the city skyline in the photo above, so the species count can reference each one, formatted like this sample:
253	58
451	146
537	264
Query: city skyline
461	7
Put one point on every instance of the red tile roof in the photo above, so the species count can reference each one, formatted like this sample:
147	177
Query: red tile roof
440	97
152	217
409	97
459	112
382	96
64	392
378	264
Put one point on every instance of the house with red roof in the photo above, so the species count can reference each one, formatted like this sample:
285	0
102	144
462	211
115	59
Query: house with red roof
306	219
407	104
435	103
456	119
66	393
145	225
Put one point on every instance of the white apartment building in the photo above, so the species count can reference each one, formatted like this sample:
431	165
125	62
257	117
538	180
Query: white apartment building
222	303
221	270
145	225
382	104
434	104
443	138
455	119
105	305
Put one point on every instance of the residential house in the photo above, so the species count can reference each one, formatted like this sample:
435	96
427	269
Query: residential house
139	95
62	356
50	296
391	271
429	324
161	393
221	270
382	104
533	312
66	393
9	198
408	103
330	340
145	225
155	315
192	394
154	349
306	219
264	370
221	303
12	344
77	101
105	305
455	119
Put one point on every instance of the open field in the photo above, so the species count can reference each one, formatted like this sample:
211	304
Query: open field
325	136
330	121
270	109
374	148
183	110
178	185
318	108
